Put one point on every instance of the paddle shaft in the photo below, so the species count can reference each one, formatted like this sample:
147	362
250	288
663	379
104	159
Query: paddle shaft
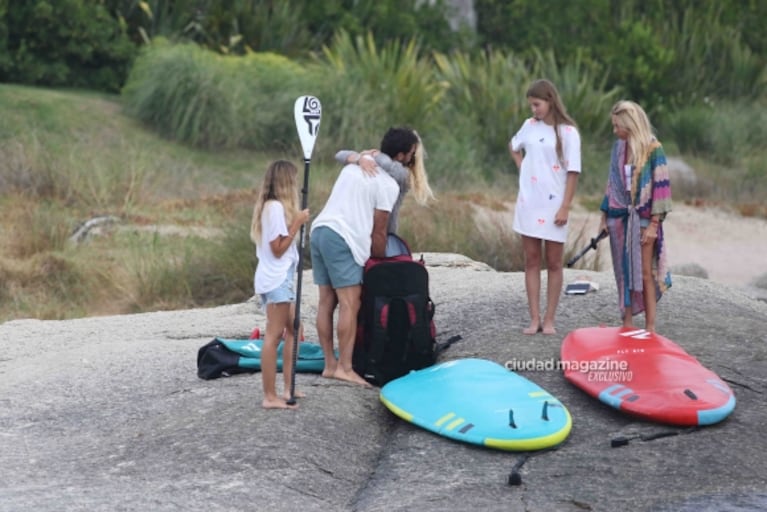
299	280
592	245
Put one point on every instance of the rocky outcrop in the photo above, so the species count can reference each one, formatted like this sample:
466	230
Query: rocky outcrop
107	413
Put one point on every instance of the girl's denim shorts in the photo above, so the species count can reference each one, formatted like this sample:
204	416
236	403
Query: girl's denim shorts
286	292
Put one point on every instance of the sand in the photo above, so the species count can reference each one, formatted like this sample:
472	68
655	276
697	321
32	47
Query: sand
732	249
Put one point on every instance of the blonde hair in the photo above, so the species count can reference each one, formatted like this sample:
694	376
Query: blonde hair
545	90
419	180
279	184
631	117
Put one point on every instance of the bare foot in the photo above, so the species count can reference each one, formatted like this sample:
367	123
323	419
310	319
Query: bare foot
534	327
277	403
330	369
549	329
297	394
350	376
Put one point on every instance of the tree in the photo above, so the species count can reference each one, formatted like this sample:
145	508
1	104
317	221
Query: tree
73	43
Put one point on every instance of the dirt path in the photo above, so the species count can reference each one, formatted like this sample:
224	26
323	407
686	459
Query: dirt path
731	248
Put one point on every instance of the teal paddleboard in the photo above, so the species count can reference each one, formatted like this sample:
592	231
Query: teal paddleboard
480	402
310	358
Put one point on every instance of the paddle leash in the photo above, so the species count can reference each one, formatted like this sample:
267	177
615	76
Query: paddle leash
308	113
592	245
624	440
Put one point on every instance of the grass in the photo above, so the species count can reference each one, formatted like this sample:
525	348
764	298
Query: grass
181	235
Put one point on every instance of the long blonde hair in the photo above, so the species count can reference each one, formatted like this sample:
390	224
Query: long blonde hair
419	180
641	139
545	90
279	184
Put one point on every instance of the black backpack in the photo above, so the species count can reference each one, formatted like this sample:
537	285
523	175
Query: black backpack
395	326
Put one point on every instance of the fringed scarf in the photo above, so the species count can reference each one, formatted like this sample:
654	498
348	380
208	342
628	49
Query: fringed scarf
650	195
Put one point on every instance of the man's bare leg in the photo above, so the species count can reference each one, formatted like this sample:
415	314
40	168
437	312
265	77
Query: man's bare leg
325	308
349	299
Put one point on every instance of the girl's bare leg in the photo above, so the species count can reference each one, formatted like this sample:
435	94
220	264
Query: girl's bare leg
532	249
648	282
276	317
554	255
628	318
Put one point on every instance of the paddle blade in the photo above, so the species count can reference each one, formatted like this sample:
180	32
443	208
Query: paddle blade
308	112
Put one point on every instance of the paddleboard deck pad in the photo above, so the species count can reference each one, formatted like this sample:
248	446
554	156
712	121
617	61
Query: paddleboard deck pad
479	402
646	375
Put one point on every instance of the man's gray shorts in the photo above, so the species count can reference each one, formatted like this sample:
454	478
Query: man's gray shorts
332	261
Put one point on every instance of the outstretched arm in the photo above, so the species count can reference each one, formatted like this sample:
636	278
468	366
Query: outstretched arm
393	168
347	156
368	165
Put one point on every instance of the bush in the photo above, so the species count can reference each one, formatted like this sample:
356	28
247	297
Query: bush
365	89
5	56
70	43
484	105
196	96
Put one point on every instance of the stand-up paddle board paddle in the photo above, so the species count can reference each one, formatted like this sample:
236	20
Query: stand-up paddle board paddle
592	245
646	375
307	113
479	402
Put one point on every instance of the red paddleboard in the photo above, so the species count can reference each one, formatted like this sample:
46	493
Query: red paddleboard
646	375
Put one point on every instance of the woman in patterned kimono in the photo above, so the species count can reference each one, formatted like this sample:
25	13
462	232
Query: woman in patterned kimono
636	202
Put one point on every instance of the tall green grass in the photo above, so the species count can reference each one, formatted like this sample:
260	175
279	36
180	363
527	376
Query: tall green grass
214	101
162	272
190	139
365	90
66	157
710	61
727	140
465	107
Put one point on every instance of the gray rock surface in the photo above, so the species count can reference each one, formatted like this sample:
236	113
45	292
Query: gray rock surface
107	413
690	270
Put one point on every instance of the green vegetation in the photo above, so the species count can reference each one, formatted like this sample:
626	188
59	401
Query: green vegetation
182	236
206	100
89	50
